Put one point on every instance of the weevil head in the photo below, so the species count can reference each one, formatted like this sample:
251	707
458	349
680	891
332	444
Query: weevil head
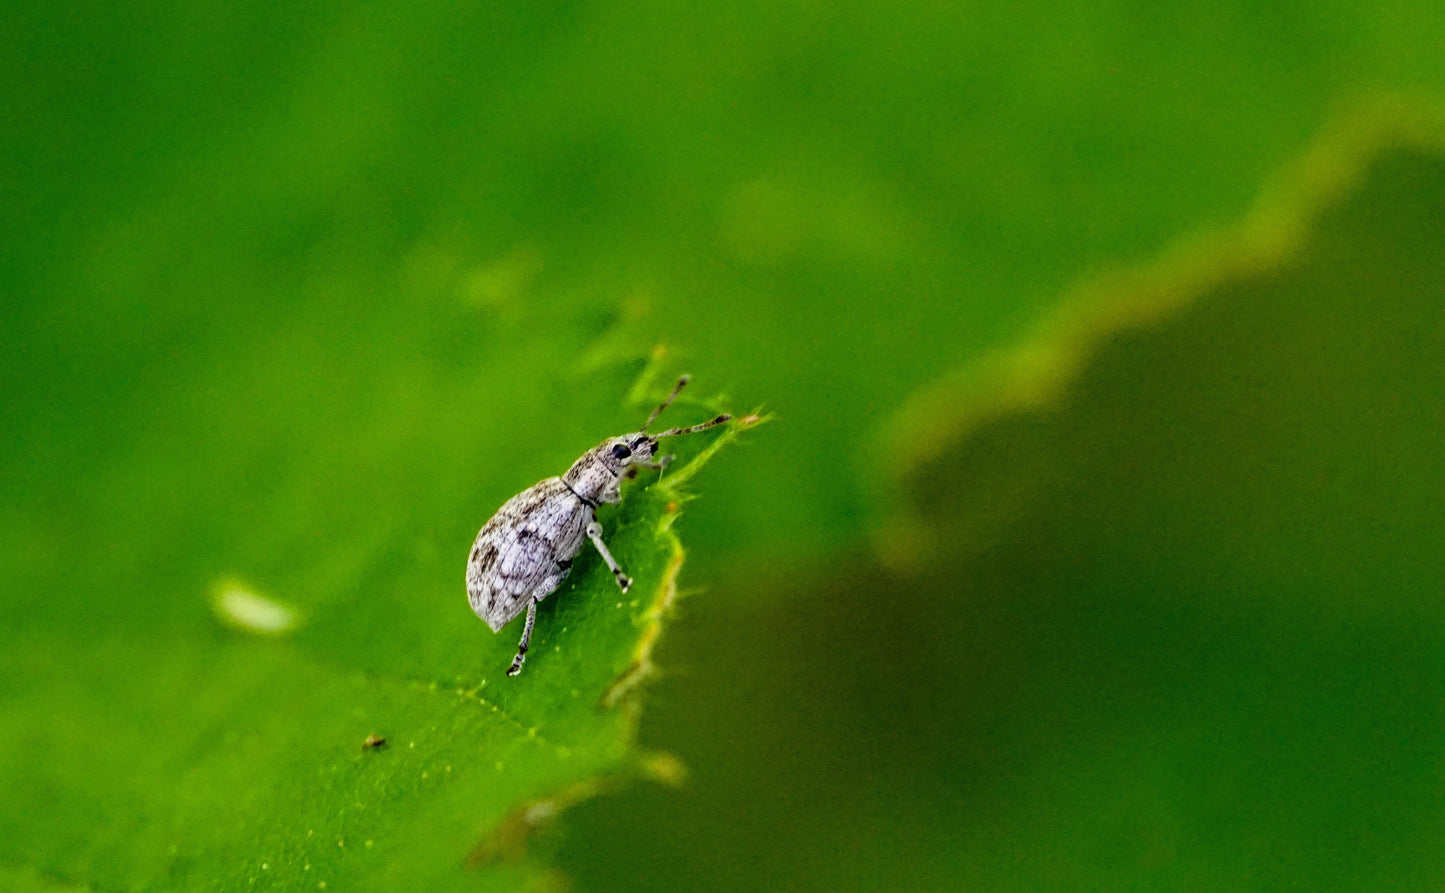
597	476
631	449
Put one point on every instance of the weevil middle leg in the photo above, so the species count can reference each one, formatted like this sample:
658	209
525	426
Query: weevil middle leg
516	666
594	533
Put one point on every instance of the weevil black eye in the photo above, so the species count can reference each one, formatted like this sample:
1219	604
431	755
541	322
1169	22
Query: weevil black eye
620	451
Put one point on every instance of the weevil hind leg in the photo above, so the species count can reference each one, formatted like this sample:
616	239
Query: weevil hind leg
594	533
517	661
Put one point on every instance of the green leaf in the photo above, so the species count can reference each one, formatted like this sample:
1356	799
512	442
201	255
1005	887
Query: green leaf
218	742
294	295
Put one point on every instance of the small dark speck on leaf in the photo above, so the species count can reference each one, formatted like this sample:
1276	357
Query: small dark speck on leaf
373	742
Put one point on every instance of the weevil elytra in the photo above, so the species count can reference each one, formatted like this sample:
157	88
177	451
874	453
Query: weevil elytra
526	550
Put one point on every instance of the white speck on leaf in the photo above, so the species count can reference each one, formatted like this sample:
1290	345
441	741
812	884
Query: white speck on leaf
238	606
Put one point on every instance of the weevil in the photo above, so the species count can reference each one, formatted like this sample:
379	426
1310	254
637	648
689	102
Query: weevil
526	550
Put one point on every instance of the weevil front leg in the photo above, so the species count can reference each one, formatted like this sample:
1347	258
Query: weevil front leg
594	533
516	666
659	465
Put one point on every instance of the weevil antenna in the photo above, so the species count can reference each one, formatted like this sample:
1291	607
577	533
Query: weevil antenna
674	432
666	403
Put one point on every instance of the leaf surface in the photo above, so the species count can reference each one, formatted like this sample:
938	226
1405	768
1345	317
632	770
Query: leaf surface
168	749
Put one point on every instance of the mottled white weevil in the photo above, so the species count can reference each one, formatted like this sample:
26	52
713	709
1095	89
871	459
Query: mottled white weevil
525	551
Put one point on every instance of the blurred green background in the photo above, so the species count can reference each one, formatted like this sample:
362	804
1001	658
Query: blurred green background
301	294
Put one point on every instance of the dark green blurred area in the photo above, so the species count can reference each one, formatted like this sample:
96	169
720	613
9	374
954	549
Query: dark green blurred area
300	294
1206	651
